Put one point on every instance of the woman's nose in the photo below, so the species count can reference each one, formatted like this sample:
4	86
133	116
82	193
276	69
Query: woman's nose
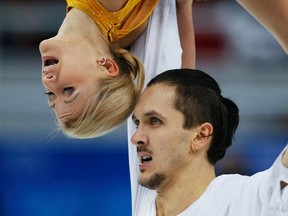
49	77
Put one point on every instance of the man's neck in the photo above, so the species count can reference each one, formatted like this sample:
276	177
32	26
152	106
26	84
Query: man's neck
179	195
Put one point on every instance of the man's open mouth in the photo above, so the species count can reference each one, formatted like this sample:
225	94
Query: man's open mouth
145	159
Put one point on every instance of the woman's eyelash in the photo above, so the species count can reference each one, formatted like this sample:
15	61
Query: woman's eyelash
67	90
70	90
48	93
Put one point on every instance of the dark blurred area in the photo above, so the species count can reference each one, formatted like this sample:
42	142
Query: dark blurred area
44	173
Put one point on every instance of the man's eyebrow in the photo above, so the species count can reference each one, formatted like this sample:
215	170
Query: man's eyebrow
154	113
148	114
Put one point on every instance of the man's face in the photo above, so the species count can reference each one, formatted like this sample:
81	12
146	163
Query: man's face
163	145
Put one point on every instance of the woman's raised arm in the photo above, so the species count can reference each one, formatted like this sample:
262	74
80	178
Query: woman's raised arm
273	15
186	32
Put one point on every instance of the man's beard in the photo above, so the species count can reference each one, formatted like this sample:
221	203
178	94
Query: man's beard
154	182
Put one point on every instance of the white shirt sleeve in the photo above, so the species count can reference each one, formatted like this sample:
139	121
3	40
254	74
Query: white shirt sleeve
273	195
234	194
261	194
159	49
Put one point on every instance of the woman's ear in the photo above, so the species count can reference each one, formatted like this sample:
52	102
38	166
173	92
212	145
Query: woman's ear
110	65
203	136
112	68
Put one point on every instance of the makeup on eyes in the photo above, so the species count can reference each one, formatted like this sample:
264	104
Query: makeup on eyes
73	96
70	99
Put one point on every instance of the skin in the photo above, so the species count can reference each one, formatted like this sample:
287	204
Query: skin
186	32
113	5
78	48
285	159
75	75
273	15
160	135
184	173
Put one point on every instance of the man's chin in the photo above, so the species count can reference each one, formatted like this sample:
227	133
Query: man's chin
152	182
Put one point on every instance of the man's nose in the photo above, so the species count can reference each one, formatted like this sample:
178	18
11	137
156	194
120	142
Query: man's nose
139	137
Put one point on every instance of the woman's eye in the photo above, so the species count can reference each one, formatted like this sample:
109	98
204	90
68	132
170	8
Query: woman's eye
155	121
69	91
51	95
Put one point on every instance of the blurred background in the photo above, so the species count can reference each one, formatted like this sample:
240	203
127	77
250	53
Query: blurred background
44	173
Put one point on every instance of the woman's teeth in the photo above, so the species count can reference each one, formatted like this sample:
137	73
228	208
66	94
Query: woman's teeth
47	68
49	64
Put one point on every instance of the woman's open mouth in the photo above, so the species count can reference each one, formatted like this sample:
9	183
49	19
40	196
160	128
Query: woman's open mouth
49	64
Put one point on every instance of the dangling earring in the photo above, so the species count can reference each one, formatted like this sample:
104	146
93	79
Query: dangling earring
103	61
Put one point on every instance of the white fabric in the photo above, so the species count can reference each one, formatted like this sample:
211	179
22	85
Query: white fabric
159	49
228	195
236	195
231	195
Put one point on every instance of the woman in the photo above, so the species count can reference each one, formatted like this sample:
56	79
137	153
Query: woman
91	82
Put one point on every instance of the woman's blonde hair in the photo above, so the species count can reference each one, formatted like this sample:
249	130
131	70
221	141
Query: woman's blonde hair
114	101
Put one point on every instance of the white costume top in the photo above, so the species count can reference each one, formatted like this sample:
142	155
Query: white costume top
231	195
234	195
159	49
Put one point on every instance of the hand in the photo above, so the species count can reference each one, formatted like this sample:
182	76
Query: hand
285	158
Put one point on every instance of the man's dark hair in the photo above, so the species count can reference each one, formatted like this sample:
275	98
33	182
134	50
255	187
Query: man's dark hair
198	97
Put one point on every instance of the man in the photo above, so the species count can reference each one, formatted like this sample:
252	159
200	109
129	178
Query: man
183	127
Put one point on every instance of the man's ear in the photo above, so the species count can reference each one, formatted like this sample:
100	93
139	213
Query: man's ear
202	137
110	65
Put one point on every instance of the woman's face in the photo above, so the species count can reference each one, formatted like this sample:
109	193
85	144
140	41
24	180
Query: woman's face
69	75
